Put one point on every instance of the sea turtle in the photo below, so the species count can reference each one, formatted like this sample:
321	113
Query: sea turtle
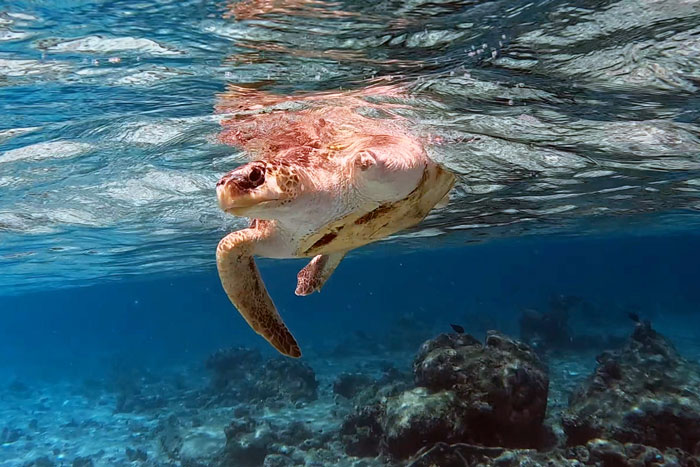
325	181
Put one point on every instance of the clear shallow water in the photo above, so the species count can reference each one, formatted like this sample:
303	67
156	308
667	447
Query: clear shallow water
556	118
159	321
573	131
74	352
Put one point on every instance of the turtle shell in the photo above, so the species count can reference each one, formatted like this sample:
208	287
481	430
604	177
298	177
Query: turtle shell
374	221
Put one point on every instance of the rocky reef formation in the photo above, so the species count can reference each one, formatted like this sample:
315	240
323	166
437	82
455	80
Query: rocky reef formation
231	365
247	386
500	388
598	452
465	391
251	443
461	402
485	404
240	374
645	393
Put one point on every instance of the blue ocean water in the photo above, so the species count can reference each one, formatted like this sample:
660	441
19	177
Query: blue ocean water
572	130
181	320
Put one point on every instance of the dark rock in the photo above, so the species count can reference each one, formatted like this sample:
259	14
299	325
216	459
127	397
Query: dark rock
188	463
612	453
294	434
82	462
286	379
392	375
493	394
311	443
240	376
609	453
419	418
464	454
239	427
600	453
348	385
136	455
361	432
247	449
455	455
501	387
644	394
232	365
242	411
391	383
277	460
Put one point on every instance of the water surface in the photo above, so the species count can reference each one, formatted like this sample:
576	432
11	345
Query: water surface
557	117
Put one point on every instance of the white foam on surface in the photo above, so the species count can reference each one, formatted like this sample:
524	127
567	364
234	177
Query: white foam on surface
20	68
47	150
22	16
148	77
13	36
12	132
100	44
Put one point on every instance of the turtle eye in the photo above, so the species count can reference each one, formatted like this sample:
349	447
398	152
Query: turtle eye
256	176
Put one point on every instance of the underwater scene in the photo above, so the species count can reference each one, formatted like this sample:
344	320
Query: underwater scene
349	233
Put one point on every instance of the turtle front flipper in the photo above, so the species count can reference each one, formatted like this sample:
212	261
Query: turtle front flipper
242	282
316	273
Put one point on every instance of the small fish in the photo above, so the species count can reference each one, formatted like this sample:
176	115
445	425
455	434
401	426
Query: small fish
634	316
457	328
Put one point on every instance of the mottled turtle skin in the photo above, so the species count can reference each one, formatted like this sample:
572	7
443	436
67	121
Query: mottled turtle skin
325	181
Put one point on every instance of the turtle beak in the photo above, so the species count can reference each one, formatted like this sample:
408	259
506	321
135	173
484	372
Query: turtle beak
234	192
242	189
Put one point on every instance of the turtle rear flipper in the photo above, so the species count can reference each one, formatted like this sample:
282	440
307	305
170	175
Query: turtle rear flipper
316	273
242	282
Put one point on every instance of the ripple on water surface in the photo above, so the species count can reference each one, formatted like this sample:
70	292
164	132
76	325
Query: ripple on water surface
554	117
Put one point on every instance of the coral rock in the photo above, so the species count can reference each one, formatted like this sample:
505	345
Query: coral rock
501	387
361	432
645	394
416	418
291	380
247	449
277	460
463	454
239	374
493	394
232	364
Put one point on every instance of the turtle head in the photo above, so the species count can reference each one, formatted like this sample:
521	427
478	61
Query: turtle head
257	188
